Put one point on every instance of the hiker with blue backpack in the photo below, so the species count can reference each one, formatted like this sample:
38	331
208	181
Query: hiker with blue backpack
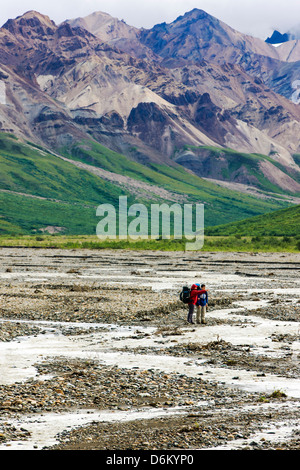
202	305
191	297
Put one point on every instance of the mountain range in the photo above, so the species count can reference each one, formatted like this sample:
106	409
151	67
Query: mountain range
190	99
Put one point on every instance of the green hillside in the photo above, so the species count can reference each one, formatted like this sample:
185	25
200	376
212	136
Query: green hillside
221	204
39	189
281	223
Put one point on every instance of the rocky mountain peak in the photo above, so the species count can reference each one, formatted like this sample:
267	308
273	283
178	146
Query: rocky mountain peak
278	38
196	14
104	26
190	36
189	20
31	24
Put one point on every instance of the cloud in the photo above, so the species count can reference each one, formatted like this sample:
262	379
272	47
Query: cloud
255	17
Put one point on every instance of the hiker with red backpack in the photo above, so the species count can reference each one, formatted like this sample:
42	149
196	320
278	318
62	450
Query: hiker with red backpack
195	292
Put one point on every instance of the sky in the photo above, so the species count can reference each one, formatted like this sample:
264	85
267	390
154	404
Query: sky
255	17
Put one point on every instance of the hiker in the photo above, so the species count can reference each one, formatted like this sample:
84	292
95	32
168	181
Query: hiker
202	305
195	292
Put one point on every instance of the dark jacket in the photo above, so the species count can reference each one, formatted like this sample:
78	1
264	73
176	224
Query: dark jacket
202	299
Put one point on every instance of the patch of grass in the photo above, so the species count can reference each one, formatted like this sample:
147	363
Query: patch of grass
282	223
211	244
252	244
296	157
277	394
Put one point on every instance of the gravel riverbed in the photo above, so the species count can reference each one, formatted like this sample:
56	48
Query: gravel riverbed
104	333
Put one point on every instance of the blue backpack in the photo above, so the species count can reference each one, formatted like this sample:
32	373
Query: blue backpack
185	295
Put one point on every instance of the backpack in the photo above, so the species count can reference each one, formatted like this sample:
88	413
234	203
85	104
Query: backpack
201	299
185	295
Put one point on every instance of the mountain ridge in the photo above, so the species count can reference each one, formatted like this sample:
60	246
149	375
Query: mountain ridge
73	43
62	86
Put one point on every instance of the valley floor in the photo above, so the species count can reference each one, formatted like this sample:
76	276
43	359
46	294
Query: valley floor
96	353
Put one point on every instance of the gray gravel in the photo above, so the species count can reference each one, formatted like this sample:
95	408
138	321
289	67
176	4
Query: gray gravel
117	287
